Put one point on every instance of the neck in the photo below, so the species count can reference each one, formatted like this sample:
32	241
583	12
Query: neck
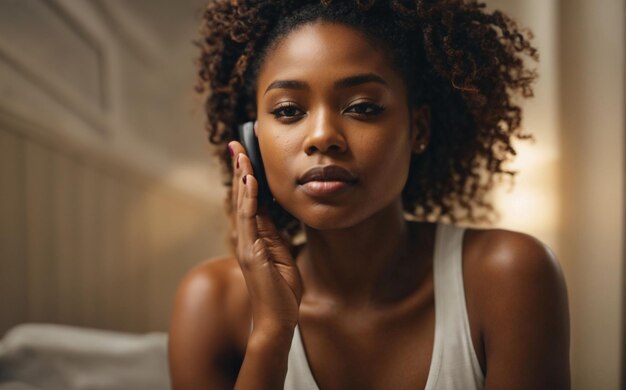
357	265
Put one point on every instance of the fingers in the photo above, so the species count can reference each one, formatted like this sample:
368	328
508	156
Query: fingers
239	170
245	205
254	227
247	208
236	148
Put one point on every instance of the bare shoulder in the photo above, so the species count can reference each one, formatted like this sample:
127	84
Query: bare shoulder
502	253
505	265
211	280
207	325
517	292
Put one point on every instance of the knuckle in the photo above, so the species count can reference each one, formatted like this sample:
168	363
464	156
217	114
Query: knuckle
274	243
250	194
258	247
249	259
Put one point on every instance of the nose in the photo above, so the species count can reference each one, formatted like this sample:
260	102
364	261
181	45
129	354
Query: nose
324	136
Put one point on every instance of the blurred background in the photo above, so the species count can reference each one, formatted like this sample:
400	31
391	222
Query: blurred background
108	193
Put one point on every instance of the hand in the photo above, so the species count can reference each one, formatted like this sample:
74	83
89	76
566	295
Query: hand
272	277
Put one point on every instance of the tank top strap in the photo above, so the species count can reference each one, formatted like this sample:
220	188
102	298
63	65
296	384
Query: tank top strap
454	359
299	375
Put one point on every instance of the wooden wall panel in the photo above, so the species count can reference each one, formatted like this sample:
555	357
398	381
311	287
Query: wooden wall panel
136	258
90	245
160	227
13	299
110	247
90	234
40	253
126	285
64	198
89	256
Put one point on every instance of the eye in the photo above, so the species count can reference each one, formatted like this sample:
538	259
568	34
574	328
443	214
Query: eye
367	109
287	110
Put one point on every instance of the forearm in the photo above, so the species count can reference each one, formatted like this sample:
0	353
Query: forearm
265	363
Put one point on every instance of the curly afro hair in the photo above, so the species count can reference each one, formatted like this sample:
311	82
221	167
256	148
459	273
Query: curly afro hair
465	63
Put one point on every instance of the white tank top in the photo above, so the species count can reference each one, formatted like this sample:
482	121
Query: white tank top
454	364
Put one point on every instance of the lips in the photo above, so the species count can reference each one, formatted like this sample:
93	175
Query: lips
327	173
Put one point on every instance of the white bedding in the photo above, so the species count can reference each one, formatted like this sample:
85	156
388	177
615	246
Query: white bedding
45	356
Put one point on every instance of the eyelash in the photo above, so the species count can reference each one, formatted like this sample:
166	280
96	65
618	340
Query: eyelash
283	107
377	109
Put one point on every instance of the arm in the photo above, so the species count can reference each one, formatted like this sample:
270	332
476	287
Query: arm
202	351
198	345
198	338
265	364
525	315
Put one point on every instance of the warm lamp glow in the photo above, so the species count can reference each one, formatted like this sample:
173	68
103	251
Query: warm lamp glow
531	206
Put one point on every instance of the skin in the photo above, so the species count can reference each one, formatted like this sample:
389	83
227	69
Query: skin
361	289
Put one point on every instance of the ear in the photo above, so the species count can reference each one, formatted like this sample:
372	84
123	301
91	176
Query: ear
256	124
420	128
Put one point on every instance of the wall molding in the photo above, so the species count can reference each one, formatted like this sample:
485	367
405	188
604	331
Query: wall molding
130	32
57	90
144	164
54	85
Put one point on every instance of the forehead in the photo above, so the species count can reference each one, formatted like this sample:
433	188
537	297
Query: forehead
325	50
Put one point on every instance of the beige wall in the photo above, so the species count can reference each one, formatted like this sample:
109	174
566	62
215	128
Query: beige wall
592	137
106	196
90	244
570	190
532	205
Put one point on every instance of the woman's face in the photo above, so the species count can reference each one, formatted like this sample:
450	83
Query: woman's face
326	96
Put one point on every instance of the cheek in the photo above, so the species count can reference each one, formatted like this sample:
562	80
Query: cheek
388	145
276	151
389	160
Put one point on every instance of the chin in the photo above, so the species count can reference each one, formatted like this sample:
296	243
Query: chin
338	213
328	217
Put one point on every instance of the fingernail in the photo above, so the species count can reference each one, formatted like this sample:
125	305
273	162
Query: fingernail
238	160
231	151
244	179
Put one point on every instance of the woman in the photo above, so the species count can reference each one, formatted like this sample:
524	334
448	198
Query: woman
381	126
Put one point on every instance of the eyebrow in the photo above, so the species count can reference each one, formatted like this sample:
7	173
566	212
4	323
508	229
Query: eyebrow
346	82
